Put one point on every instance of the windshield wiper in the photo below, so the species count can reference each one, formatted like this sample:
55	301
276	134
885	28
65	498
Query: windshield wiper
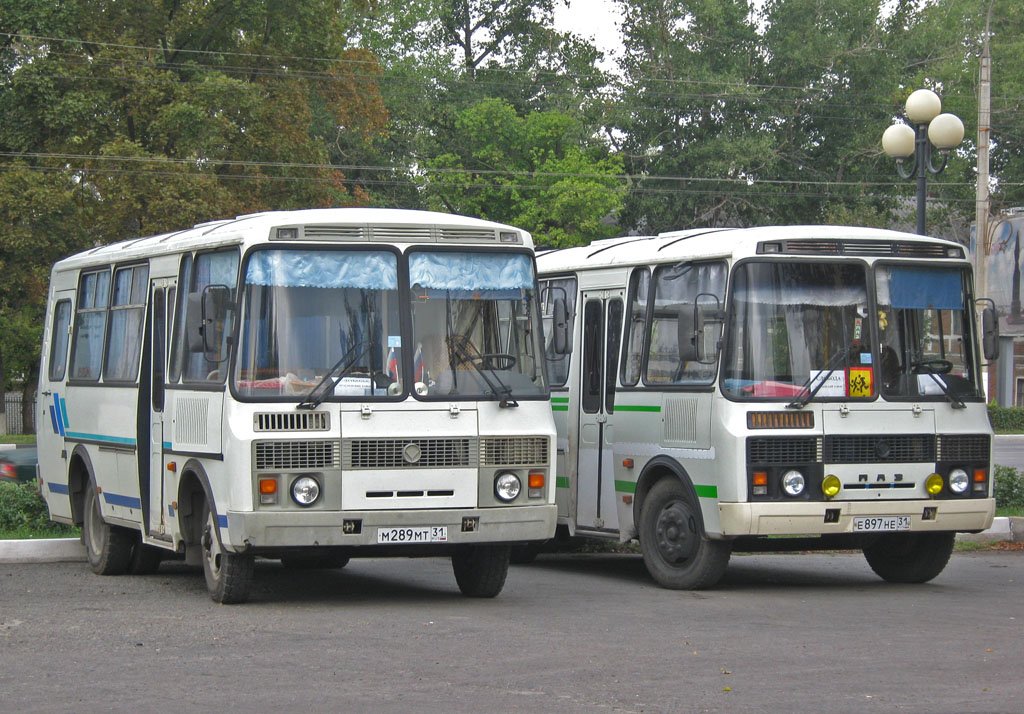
459	345
334	375
806	393
927	367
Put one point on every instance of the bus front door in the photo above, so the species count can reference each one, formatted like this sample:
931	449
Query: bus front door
595	482
151	470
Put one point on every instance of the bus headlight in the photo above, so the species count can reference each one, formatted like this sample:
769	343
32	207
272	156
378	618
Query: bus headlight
305	490
959	481
793	483
507	486
933	484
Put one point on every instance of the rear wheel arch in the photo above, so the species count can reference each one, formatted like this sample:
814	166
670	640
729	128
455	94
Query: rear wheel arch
80	473
193	490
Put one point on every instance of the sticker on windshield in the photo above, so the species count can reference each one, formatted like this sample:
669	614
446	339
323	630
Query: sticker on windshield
861	382
834	386
394	340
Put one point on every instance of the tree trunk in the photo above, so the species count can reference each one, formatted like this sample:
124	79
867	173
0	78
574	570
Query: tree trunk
28	402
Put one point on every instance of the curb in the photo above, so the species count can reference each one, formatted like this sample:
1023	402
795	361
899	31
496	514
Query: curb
1003	529
48	550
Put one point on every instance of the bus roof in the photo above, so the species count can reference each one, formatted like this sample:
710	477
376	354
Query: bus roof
737	243
318	225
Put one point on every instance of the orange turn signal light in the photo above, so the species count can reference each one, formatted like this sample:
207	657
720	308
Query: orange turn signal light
760	478
980	475
268	485
536	480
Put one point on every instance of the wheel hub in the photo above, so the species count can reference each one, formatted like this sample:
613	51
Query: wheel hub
676	533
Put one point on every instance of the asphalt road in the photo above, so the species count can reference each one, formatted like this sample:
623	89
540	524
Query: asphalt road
570	633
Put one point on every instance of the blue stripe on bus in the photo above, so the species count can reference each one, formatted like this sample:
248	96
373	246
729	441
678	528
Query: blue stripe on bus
58	487
168	445
115	499
222	521
100	437
170	511
63	415
53	420
61	418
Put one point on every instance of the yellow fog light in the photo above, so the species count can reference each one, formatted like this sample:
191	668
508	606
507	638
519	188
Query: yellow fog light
830	486
933	484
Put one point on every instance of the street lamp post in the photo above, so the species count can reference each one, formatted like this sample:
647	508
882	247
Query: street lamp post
930	128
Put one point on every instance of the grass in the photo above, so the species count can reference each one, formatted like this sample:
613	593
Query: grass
28	533
17	439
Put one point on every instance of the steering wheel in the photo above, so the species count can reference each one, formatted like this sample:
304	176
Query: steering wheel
932	366
495	360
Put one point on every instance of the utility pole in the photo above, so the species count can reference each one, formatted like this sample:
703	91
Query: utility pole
981	212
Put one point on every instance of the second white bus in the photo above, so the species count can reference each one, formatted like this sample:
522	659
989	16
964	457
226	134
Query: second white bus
769	388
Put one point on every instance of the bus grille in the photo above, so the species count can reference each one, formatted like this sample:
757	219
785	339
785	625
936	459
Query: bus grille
964	447
764	451
408	453
513	450
296	455
904	249
880	448
292	421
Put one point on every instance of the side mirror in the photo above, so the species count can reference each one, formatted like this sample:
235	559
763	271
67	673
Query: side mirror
686	322
207	320
560	326
990	333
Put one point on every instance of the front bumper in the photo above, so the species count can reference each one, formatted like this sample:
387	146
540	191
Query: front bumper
325	528
808	518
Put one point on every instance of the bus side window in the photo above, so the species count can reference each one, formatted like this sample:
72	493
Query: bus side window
189	361
636	312
90	326
59	340
127	317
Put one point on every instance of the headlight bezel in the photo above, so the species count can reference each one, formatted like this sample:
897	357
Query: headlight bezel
509	484
299	486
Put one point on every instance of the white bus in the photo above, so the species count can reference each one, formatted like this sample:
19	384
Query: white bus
309	386
767	389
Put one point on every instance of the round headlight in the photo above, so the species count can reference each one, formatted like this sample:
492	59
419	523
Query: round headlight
831	486
507	486
933	484
793	483
959	481
305	490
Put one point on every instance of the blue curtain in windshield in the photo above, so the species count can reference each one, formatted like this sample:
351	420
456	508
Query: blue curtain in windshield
916	288
323	269
472	275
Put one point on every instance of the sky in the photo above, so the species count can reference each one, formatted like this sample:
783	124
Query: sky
592	19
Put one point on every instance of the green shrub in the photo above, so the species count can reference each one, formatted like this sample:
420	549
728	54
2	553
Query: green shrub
21	508
1008	487
1006	418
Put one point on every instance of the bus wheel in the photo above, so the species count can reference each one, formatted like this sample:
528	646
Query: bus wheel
228	575
108	547
676	552
910	557
480	570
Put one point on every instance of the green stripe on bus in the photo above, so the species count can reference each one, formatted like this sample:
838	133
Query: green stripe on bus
625	487
559	407
707	491
636	408
560	400
562	482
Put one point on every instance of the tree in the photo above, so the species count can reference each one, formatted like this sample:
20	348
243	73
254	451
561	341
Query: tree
540	172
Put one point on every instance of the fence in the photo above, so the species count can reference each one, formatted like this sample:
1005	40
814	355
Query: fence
12	406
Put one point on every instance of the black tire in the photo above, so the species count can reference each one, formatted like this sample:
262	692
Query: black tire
677	553
480	570
109	548
228	575
910	557
145	559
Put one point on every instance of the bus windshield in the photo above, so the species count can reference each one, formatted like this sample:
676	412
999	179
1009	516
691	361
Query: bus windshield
475	326
926	347
310	314
799	330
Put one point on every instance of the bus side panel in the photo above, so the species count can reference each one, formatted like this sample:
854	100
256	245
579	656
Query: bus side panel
50	421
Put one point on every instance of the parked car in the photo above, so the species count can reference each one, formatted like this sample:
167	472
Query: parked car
18	464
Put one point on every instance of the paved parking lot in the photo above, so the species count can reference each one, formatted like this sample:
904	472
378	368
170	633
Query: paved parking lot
570	633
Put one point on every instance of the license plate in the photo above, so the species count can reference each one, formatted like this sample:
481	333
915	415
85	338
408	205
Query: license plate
877	523
423	534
